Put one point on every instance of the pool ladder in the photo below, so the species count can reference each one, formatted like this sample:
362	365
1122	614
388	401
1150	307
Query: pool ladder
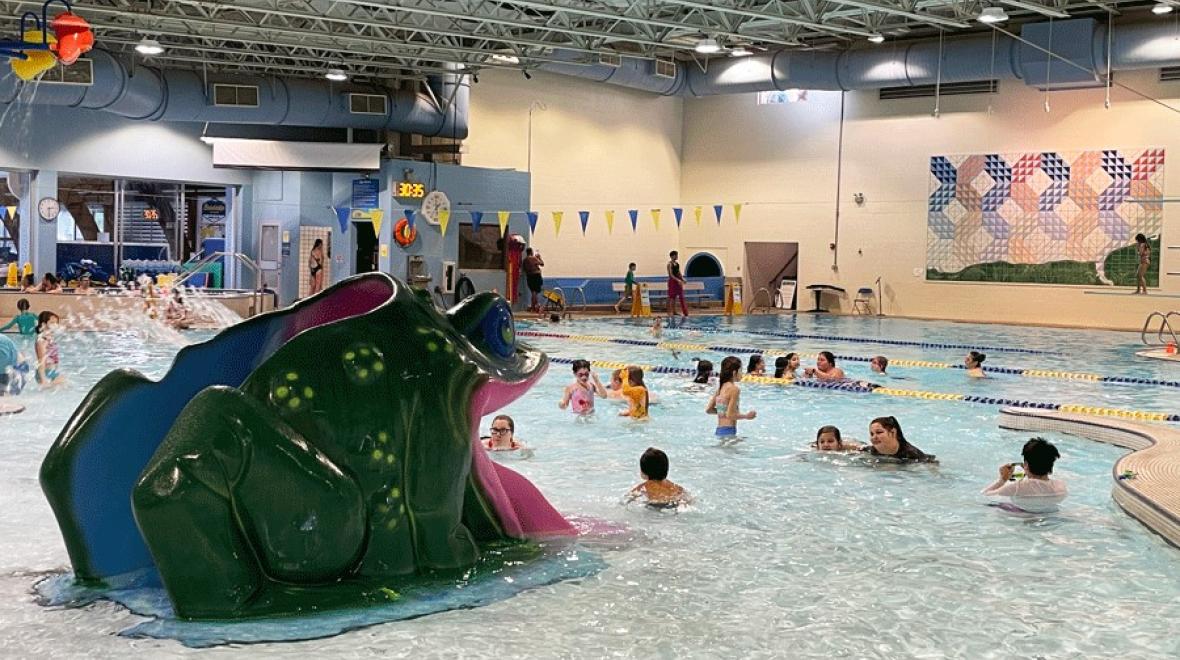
1164	325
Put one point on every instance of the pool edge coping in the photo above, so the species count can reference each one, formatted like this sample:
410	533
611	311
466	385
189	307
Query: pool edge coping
1159	517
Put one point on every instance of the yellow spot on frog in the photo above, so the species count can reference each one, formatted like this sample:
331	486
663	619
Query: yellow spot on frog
308	393
350	355
392	524
378	366
378	454
292	376
365	351
382	436
431	346
294	402
423	331
389	459
282	391
395	492
362	374
390	593
383	508
401	508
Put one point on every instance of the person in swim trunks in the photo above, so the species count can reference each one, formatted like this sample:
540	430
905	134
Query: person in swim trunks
532	274
579	395
725	403
655	489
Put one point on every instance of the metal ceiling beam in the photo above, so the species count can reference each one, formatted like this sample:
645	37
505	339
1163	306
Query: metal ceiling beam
779	18
1035	8
932	19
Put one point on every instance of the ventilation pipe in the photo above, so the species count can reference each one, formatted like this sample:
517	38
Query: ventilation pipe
180	95
1081	41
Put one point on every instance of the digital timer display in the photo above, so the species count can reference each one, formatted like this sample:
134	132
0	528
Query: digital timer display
409	189
151	214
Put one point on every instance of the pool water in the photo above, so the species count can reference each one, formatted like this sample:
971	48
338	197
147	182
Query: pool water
785	553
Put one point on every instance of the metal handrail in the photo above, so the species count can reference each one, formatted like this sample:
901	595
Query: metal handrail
754	300
581	292
1164	325
238	257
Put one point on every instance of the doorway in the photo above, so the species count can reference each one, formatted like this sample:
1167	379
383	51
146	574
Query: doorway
767	264
365	258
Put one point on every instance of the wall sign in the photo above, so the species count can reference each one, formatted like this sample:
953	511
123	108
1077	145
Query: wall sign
213	212
366	193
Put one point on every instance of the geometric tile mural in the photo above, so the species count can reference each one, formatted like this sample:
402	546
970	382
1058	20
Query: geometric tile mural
1052	217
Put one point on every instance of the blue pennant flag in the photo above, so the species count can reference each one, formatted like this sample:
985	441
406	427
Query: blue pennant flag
532	216
476	218
679	213
634	213
717	209
410	218
342	215
584	216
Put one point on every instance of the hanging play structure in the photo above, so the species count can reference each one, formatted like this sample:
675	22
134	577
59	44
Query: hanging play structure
44	42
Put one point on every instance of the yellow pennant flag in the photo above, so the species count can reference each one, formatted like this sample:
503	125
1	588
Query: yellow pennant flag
11	211
503	217
444	218
557	222
376	215
655	218
610	221
696	213
737	212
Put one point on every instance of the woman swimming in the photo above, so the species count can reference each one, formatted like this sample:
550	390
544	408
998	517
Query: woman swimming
726	402
888	440
825	368
974	363
786	366
756	366
579	395
48	356
503	437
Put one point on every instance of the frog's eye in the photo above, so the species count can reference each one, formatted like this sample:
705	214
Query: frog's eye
498	331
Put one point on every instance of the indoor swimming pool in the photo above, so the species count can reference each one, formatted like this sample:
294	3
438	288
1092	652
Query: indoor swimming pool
785	552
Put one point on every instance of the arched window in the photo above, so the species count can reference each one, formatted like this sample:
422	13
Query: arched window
703	264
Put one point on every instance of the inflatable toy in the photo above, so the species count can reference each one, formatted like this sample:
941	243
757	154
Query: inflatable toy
320	457
404	233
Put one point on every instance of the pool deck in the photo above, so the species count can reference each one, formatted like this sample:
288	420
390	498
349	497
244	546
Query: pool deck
1152	495
1159	354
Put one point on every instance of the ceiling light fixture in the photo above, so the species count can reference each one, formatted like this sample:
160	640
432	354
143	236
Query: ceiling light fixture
336	75
877	38
148	46
991	15
740	51
506	59
1161	8
707	46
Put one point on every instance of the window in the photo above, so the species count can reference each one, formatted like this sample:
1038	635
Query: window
482	251
78	73
243	96
366	104
784	96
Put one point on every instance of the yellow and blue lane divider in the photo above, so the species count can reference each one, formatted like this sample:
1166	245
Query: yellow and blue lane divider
860	387
925	364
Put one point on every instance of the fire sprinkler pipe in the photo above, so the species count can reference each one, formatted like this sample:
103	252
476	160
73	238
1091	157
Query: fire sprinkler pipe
839	170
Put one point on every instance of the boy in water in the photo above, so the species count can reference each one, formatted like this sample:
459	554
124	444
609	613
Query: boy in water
656	489
1036	492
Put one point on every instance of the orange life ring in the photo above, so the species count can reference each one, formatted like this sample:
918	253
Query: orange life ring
404	233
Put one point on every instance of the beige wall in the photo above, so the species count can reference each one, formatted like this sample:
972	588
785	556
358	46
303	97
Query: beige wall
782	161
594	148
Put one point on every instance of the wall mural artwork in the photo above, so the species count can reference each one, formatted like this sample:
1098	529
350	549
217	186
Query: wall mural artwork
1051	217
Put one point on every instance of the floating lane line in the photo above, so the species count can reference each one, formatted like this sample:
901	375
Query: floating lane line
924	364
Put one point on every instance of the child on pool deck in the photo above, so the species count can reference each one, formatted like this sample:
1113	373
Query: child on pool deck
1036	492
579	396
655	488
828	439
25	321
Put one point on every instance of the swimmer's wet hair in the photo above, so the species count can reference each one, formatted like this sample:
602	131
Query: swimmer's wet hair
829	429
654	464
829	356
23	304
506	418
883	361
755	360
1040	454
977	357
704	371
580	364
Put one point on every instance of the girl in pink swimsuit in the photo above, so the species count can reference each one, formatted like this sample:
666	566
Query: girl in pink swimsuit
579	396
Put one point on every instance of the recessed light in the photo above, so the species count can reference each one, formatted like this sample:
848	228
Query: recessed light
336	75
992	15
148	46
1161	8
877	38
740	51
506	59
708	45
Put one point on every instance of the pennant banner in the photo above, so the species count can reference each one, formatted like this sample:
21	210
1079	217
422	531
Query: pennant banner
557	222
737	212
677	213
697	213
410	218
717	210
610	221
634	213
444	218
343	213
376	216
584	216
476	218
532	216
655	218
502	216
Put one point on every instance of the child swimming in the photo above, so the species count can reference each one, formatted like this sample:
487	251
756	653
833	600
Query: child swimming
25	321
786	366
704	372
657	491
827	438
579	396
48	357
725	403
635	392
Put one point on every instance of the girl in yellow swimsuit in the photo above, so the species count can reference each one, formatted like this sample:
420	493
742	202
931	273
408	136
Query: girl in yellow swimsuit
635	392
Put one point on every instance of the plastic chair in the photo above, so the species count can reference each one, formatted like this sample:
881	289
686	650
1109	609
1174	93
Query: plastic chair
862	303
